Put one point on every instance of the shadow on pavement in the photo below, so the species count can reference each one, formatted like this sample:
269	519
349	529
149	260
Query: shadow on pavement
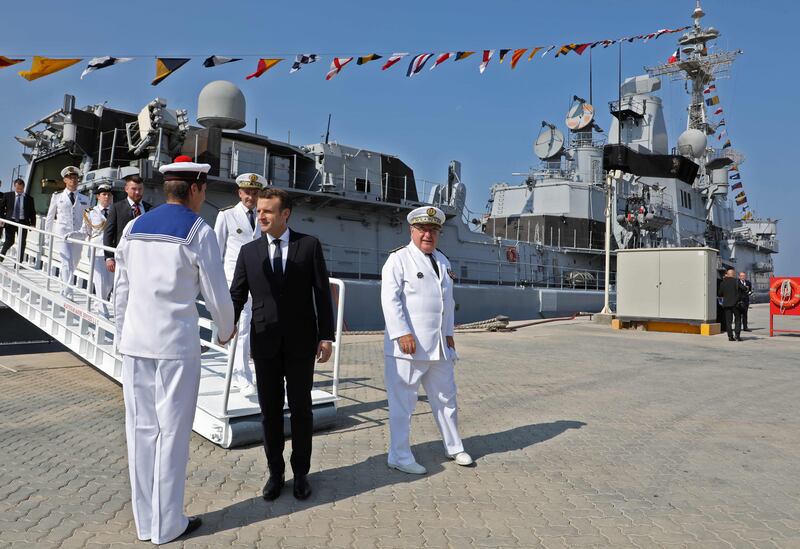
340	483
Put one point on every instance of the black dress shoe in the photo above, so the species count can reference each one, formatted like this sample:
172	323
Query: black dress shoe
272	489
194	524
731	339
738	338
302	489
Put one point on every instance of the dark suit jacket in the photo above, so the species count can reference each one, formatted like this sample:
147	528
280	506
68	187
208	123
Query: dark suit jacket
297	311
7	209
118	216
748	290
731	292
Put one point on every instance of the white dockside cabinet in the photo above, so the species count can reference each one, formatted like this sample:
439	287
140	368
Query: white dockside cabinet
667	284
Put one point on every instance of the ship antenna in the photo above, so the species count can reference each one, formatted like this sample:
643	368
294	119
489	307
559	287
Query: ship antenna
328	131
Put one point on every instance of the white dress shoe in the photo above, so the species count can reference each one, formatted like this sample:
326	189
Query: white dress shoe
462	458
412	468
248	390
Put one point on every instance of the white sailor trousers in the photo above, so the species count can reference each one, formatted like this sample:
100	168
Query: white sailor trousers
242	370
103	281
69	254
402	379
160	401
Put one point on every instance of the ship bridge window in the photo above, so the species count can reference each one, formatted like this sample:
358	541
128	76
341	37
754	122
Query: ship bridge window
686	200
362	185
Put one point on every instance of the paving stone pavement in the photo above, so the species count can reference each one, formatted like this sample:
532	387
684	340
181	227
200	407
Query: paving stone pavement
583	437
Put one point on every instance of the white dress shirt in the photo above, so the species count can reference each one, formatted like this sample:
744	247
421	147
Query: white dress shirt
131	203
284	238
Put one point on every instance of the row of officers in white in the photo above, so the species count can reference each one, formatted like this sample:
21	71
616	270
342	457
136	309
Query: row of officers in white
235	268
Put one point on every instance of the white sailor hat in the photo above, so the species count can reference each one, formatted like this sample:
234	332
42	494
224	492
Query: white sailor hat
426	215
130	172
103	188
70	170
251	181
184	169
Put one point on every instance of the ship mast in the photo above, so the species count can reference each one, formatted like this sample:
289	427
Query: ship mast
700	68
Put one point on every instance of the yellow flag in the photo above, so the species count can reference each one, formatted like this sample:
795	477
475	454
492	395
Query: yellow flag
533	52
42	66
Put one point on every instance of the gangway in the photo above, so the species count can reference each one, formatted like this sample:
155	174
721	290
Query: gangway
224	416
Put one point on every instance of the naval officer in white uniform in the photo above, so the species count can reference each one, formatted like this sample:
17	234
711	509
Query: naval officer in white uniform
94	223
235	227
166	257
418	306
65	218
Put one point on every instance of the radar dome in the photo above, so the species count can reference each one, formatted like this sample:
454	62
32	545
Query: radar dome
692	143
221	104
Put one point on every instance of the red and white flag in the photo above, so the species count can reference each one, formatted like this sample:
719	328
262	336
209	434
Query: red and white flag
487	56
417	63
393	59
718	111
337	65
441	59
675	57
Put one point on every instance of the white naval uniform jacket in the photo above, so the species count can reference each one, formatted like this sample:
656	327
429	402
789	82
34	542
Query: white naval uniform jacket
64	218
418	305
166	257
93	224
233	231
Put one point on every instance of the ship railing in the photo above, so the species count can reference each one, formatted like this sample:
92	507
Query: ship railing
514	229
112	149
523	270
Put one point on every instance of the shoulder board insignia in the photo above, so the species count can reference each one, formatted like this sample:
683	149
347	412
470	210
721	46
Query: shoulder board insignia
397	249
226	208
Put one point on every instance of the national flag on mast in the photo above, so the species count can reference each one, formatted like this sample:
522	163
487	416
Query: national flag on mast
102	62
462	55
263	66
417	63
165	66
217	60
303	59
42	66
441	59
503	54
515	57
337	65
487	56
675	57
364	59
7	61
393	59
710	89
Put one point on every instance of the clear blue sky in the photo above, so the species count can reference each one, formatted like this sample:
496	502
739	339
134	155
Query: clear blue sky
487	121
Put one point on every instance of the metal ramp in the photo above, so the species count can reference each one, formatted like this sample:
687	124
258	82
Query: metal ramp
223	416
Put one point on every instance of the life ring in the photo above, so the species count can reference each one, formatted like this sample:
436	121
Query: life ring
785	293
511	254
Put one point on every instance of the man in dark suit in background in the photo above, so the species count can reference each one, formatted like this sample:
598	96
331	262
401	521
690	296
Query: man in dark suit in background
748	291
731	292
18	207
292	325
122	212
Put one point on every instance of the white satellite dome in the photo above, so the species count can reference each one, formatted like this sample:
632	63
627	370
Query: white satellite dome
692	143
221	104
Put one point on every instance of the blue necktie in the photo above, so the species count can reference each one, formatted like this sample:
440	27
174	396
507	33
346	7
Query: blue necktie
18	208
277	259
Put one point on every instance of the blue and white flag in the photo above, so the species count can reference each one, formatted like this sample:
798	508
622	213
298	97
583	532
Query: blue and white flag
303	59
417	63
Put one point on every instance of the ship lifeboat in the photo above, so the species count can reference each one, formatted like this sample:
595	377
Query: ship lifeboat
785	293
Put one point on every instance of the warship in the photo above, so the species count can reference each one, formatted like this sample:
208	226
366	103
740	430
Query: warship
538	250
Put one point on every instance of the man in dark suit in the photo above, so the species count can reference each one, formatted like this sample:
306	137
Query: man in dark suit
731	292
18	207
122	212
747	286
291	326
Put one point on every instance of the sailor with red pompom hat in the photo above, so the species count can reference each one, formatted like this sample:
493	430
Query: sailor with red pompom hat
165	258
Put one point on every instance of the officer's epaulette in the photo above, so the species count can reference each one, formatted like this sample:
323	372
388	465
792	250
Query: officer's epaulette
397	249
227	208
